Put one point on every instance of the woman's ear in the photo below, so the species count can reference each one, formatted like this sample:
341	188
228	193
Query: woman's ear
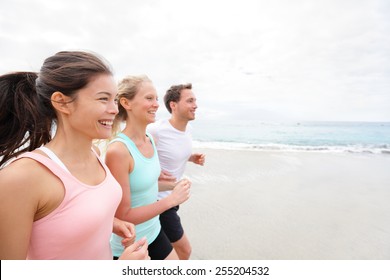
125	103
60	102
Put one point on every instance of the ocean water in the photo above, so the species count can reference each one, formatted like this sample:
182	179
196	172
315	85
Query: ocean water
355	137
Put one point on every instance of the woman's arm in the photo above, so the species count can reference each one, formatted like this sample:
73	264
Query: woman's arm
120	163
125	230
136	251
18	205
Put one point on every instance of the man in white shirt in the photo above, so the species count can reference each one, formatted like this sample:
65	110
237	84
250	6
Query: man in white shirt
174	146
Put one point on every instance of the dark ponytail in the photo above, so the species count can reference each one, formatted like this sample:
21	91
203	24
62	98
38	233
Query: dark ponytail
26	112
22	126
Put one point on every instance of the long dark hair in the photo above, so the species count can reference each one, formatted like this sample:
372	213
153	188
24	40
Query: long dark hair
26	114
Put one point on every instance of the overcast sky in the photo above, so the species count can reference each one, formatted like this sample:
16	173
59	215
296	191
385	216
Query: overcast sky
269	60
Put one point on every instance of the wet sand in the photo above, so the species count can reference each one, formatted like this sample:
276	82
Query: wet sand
289	205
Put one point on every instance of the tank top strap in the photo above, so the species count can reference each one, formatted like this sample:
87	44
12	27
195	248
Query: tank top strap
151	140
53	157
101	161
132	148
121	137
47	162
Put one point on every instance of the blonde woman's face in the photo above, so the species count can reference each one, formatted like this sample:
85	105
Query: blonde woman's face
145	104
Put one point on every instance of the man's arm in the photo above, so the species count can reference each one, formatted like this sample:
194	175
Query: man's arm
198	158
166	182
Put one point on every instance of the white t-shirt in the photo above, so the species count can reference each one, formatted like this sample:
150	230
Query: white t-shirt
174	148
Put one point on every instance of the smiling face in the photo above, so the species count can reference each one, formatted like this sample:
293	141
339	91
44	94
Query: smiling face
94	109
144	105
186	107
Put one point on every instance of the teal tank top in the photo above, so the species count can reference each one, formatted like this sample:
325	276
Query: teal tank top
144	190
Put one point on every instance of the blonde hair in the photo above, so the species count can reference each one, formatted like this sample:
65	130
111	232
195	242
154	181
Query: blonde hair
127	88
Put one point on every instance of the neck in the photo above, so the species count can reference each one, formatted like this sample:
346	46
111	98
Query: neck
135	131
65	145
178	123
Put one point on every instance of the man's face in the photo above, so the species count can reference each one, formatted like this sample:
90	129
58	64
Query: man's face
186	106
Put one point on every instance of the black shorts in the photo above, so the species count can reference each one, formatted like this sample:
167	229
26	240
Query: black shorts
159	249
170	223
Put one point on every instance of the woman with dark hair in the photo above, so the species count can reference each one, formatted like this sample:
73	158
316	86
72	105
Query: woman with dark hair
57	197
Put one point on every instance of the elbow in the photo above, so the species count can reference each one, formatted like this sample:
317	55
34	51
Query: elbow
124	215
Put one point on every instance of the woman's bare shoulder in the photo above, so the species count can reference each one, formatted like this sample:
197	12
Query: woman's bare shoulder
118	150
29	183
23	173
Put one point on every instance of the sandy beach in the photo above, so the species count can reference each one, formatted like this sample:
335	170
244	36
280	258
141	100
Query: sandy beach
262	205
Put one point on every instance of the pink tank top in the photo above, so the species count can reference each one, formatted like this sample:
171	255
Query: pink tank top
81	226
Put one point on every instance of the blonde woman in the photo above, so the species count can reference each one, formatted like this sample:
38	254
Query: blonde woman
132	158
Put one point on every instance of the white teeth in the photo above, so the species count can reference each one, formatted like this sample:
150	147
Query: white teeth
106	123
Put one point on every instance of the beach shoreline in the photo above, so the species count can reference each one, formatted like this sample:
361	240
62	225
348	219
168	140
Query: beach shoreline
277	205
